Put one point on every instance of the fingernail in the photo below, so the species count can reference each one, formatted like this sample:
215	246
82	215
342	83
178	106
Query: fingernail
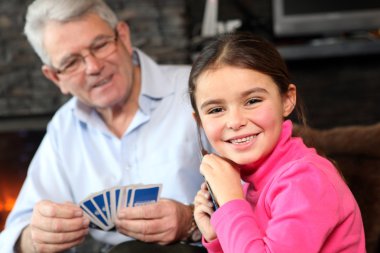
86	222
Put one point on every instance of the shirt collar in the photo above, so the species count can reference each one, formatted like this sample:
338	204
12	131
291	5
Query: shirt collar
153	80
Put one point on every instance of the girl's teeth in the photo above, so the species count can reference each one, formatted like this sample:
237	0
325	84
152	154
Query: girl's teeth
242	140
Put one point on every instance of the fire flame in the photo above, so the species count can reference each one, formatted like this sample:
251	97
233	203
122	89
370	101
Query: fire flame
8	194
7	204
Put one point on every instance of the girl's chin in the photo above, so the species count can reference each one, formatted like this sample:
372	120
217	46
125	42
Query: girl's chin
241	161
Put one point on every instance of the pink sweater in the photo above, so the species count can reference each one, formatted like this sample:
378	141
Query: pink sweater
296	201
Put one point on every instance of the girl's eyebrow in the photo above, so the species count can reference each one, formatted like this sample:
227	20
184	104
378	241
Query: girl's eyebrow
244	94
211	102
254	90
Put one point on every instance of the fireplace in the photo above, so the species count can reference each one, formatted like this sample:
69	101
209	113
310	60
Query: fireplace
16	151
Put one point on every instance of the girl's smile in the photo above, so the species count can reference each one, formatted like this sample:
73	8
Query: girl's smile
243	142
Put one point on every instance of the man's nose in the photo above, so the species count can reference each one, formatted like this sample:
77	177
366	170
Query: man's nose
93	64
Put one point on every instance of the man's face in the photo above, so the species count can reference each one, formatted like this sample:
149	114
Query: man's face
103	83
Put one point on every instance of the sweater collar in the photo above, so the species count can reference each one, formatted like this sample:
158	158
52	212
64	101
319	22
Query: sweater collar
264	169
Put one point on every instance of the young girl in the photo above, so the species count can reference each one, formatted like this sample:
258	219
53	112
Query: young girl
293	200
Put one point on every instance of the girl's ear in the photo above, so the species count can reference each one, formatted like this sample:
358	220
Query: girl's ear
197	119
289	100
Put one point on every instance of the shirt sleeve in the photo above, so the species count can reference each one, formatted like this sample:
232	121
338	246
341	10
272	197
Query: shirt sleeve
295	214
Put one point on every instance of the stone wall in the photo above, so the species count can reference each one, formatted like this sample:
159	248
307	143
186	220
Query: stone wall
159	27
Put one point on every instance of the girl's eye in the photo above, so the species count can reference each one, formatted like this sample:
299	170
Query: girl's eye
252	101
214	110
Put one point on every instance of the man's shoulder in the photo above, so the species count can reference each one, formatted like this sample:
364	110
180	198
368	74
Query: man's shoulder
176	71
167	70
64	113
177	74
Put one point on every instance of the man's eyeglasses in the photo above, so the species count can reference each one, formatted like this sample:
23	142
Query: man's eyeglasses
101	49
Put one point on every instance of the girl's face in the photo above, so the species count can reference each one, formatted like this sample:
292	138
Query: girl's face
241	112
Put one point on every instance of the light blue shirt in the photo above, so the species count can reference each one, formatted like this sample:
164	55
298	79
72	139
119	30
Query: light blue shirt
79	155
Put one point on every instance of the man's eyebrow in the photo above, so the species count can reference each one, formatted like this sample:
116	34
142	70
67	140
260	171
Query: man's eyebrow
100	37
66	58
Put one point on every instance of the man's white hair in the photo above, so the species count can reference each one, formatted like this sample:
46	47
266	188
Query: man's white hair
40	12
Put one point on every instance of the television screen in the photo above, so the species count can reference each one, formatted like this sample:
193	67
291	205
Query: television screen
324	17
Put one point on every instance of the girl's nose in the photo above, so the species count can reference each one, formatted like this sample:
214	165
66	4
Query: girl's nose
236	120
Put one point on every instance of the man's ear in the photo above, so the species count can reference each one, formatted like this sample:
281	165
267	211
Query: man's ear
289	100
124	35
52	76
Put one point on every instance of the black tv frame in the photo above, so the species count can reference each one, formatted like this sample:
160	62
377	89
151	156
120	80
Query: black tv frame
322	23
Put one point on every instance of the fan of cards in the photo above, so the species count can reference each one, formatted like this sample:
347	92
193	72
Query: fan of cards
101	207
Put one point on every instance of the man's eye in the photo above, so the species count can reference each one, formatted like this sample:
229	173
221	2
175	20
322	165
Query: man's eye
72	64
215	110
100	46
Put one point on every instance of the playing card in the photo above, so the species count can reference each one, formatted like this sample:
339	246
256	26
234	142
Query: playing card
94	214
101	203
107	196
116	195
92	219
127	196
102	207
145	194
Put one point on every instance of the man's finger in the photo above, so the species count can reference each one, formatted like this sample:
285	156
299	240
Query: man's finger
146	227
50	209
151	211
58	225
160	238
56	247
58	238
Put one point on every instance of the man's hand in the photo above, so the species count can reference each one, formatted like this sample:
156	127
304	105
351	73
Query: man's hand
54	228
163	222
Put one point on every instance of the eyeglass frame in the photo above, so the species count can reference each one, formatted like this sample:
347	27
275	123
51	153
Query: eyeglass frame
110	41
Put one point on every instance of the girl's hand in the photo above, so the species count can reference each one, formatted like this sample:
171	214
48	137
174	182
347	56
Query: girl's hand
223	178
203	209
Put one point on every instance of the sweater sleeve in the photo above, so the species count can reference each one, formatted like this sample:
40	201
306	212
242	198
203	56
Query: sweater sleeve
213	246
236	227
296	212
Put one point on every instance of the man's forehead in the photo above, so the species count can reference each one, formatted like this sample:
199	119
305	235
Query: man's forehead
61	39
